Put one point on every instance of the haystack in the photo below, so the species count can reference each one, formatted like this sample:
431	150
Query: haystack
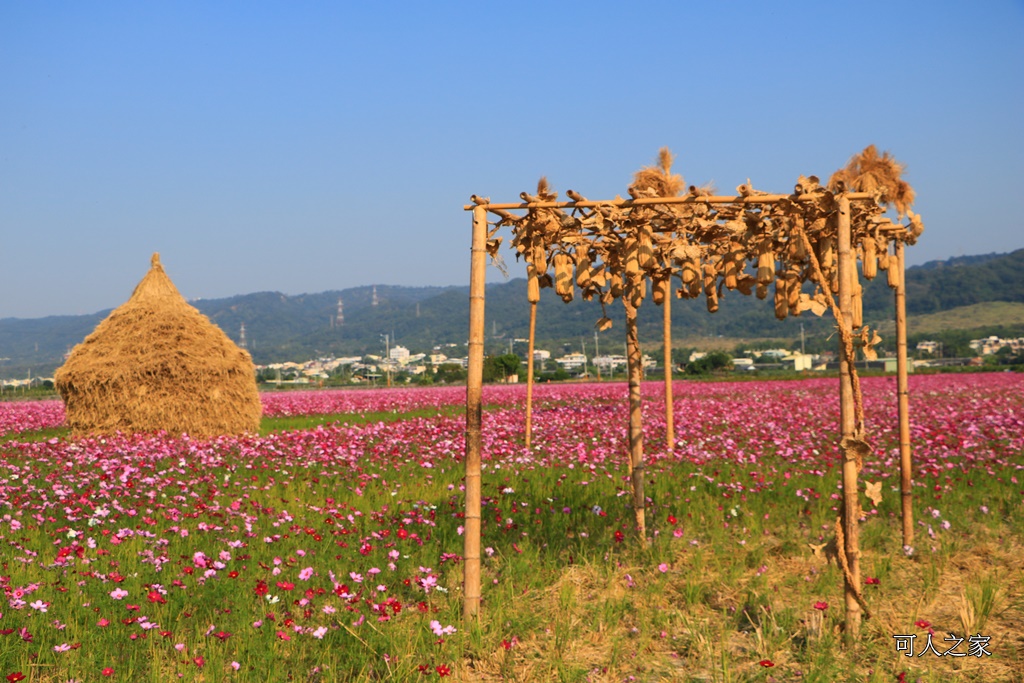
156	363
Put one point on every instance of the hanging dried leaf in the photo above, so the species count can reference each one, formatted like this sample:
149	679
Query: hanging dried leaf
816	304
869	339
603	324
873	490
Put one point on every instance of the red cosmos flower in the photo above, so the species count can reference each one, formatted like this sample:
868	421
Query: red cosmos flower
672	520
402	533
921	623
821	605
766	663
16	676
619	536
872	581
222	635
261	588
199	661
155	596
109	671
233	574
285	585
443	670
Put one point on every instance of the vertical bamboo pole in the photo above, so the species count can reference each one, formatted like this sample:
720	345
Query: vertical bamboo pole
666	333
902	393
529	375
634	358
848	421
474	415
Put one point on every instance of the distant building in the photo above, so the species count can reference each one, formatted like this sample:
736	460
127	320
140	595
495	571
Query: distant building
571	361
399	354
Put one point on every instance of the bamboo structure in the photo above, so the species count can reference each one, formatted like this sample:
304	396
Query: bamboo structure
634	361
529	375
474	414
812	236
848	423
666	335
903	400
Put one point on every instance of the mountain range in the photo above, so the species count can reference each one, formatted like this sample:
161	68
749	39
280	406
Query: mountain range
279	327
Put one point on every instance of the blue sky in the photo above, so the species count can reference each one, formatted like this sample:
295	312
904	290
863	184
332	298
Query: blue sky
301	147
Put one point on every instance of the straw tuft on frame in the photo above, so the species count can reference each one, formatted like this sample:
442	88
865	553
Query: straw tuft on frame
878	174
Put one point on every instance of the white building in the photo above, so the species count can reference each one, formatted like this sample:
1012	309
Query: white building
609	363
572	361
399	354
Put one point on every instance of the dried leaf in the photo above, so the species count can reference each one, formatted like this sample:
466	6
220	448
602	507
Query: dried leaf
873	490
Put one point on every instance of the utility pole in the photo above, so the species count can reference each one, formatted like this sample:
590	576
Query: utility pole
802	339
597	354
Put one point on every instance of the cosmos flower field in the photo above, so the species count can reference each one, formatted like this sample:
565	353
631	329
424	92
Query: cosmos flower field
332	552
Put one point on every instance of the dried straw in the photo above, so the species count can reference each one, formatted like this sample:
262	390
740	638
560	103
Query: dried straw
156	363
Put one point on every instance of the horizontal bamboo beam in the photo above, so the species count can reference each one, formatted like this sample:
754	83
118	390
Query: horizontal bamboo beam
753	199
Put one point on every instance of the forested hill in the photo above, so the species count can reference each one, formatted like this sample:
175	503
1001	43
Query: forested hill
280	327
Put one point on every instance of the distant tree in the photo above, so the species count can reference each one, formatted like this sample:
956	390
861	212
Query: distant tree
450	373
714	362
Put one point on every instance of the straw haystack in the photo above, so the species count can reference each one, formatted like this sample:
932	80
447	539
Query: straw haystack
156	363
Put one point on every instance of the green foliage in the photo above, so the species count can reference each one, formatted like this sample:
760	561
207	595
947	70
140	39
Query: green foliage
500	368
450	373
714	362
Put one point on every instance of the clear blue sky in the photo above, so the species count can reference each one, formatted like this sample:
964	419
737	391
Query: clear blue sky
307	146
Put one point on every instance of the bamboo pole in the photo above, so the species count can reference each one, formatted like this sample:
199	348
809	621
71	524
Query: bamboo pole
529	375
666	334
751	200
902	393
848	422
474	416
634	359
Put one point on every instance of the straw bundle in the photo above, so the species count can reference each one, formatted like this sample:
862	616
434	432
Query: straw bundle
563	276
881	175
658	181
869	257
156	363
765	263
